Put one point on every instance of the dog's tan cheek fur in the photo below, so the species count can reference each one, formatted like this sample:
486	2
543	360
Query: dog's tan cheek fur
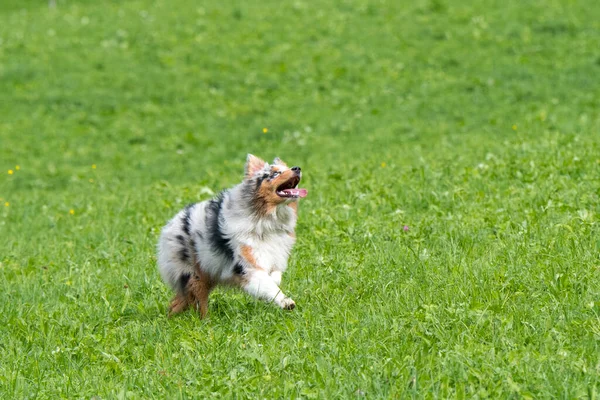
268	190
267	199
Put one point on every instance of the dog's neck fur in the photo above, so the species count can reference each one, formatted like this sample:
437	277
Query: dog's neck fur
241	211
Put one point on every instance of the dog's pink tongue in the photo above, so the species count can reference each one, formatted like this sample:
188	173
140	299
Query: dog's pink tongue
296	192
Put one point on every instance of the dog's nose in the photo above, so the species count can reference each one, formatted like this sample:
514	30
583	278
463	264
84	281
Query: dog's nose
296	169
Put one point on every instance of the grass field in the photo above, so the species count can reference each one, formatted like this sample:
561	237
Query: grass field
475	124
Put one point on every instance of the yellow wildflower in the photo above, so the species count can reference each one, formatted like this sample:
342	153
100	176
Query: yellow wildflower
265	130
17	167
93	166
383	164
71	211
6	204
10	172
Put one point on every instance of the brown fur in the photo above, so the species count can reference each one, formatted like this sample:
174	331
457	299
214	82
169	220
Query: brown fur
241	280
266	197
194	295
247	254
285	176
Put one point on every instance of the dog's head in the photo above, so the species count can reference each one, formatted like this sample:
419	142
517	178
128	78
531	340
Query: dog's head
272	184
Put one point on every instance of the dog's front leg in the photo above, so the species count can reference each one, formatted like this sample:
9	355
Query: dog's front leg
261	285
276	276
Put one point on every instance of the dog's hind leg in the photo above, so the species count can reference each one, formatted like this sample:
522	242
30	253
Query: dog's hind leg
199	287
193	292
179	304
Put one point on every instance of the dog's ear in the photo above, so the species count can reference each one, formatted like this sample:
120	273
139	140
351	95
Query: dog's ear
278	161
253	165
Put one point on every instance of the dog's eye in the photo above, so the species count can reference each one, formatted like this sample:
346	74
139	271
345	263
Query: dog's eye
275	174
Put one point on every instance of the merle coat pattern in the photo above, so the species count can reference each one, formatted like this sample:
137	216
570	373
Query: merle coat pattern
243	237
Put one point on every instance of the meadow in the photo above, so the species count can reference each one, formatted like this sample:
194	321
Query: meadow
449	246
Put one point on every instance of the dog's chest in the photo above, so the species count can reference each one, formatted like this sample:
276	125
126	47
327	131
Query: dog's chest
272	253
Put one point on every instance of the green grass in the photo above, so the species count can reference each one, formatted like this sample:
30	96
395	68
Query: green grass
474	123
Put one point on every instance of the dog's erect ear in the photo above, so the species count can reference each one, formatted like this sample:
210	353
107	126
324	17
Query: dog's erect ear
253	165
277	161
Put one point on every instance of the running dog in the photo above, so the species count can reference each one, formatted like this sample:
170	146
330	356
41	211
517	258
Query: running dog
243	238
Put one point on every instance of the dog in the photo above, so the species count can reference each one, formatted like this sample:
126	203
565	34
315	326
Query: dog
243	238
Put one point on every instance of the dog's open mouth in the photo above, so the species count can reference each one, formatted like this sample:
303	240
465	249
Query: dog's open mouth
289	189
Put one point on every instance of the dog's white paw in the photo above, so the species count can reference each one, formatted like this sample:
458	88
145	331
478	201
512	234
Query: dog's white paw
288	304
